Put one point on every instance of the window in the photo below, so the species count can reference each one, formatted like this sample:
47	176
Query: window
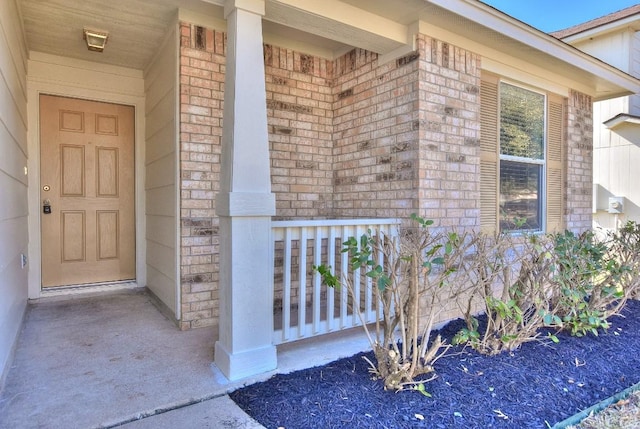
521	170
522	149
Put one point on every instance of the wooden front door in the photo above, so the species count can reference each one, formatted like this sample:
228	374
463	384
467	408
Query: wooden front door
86	191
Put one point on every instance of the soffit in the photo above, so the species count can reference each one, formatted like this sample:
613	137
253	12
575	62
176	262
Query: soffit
353	23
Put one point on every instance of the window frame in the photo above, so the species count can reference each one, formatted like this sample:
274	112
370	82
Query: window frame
542	191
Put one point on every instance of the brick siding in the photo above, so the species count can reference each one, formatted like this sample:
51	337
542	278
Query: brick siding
201	97
300	116
579	162
348	138
375	164
449	134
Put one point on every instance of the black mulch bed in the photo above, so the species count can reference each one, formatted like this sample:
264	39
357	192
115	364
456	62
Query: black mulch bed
534	387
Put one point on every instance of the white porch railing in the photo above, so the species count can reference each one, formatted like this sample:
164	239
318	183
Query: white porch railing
303	307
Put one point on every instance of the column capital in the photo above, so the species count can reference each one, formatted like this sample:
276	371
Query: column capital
253	6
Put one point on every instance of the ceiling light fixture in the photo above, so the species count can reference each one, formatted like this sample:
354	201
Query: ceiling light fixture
95	39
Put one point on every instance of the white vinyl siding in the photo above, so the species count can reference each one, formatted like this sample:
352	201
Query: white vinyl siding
13	180
161	168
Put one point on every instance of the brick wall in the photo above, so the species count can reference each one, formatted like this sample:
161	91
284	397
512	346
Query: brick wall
579	162
348	138
300	117
376	143
448	127
201	95
449	134
407	135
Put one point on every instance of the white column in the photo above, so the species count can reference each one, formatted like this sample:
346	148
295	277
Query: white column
245	203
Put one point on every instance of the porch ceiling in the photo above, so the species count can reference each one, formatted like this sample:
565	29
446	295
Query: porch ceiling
136	27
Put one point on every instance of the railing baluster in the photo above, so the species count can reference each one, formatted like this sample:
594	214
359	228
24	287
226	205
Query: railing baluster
302	283
359	231
376	310
368	285
344	270
317	298
394	232
286	293
331	249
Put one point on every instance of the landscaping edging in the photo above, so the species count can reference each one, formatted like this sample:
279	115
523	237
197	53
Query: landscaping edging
579	417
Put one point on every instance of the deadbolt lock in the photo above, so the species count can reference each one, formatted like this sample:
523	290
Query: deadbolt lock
46	207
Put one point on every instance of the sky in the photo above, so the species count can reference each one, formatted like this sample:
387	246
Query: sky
553	15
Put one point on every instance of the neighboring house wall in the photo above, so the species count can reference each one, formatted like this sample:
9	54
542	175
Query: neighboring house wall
161	172
634	70
616	152
612	48
13	180
351	138
621	50
616	157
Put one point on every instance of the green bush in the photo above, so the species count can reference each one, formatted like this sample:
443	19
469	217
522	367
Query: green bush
624	246
411	291
586	282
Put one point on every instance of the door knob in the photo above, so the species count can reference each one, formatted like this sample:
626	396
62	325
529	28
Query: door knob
46	207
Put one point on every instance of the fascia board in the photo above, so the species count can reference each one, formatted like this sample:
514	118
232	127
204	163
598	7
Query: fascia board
519	31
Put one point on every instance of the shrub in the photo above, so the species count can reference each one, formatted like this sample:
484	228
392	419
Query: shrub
624	246
411	291
509	277
520	282
587	280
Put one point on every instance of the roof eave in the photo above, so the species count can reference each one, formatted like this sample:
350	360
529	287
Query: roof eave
605	80
630	22
622	119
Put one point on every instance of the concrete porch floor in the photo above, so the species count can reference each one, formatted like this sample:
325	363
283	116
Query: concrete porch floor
113	360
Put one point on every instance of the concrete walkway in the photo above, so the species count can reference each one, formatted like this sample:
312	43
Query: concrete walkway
114	360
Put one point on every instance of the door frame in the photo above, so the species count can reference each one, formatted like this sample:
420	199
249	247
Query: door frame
126	89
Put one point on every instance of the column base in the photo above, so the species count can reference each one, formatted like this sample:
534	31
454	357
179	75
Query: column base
236	366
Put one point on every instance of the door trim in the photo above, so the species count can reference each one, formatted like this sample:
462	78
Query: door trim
130	98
